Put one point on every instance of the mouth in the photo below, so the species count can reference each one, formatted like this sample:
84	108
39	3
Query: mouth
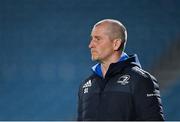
93	51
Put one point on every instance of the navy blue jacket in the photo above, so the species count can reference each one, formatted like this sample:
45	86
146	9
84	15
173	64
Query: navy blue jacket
125	93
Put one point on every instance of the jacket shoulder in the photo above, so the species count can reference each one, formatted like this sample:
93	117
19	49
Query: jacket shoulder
140	74
142	79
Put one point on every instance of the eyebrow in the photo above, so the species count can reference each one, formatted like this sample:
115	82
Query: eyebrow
95	36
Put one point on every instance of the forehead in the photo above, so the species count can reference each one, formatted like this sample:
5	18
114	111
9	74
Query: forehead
100	30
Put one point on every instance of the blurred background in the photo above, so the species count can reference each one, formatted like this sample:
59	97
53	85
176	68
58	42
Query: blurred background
44	53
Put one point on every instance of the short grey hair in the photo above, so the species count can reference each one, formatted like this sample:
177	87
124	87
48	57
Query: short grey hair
118	30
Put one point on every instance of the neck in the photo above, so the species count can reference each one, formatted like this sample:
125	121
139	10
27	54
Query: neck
106	63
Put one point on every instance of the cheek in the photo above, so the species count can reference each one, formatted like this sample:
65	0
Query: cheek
106	49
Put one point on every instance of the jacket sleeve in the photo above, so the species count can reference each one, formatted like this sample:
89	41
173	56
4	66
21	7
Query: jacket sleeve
147	99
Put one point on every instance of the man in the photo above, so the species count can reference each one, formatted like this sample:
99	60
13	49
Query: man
118	89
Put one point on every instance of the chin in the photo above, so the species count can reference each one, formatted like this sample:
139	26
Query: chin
94	58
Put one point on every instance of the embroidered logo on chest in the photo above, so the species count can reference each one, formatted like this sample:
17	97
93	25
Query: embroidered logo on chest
123	80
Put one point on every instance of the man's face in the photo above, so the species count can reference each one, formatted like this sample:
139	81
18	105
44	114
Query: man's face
101	46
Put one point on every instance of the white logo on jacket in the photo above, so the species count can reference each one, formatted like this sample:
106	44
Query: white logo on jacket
123	80
86	86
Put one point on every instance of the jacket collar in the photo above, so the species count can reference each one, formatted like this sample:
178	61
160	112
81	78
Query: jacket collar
124	61
97	68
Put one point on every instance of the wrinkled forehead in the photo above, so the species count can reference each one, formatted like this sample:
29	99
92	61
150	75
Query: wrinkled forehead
102	28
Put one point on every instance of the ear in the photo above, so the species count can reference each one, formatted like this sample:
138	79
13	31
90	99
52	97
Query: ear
117	44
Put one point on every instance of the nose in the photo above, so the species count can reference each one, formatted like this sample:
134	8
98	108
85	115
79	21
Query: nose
91	44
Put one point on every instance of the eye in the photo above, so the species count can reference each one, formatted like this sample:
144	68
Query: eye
98	39
95	39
